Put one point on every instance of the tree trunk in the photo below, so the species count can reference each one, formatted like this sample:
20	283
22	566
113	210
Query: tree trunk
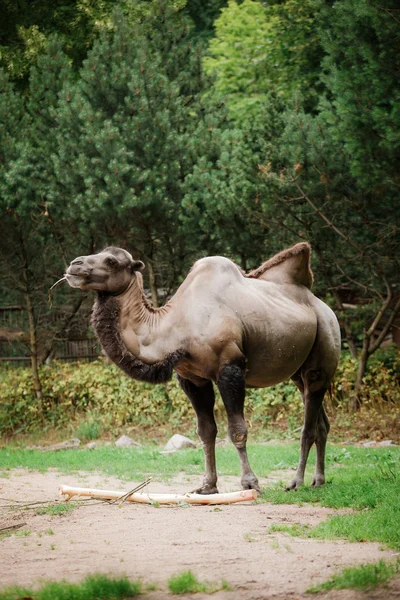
362	364
349	335
152	283
33	347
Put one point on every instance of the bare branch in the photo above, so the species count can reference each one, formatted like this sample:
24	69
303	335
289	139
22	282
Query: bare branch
385	329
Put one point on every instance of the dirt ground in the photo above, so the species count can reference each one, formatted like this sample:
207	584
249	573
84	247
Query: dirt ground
152	543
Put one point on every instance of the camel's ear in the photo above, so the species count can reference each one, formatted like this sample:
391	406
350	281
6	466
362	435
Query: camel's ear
137	265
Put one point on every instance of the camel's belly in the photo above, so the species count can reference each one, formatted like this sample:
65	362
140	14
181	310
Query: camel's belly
276	351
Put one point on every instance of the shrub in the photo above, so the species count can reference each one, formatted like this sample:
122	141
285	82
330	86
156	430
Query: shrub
109	400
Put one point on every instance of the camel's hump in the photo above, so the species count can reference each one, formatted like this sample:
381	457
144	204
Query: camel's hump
289	266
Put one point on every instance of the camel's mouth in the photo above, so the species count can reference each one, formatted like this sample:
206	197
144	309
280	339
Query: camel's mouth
75	281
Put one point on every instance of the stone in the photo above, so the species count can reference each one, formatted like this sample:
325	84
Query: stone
68	445
125	442
91	445
177	442
386	443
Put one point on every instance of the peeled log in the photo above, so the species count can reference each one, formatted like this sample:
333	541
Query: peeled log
147	498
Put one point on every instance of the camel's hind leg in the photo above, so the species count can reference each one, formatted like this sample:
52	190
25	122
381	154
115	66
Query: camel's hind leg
320	443
316	427
231	384
313	380
203	399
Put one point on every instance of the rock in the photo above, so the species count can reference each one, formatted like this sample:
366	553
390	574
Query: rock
177	442
91	445
386	443
125	442
74	443
371	444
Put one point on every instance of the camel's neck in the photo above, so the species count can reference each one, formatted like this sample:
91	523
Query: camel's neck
115	318
136	313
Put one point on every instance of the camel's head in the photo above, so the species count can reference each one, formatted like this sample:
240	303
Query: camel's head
109	271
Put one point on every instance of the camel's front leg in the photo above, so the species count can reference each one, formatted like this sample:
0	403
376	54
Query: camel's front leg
231	384
203	399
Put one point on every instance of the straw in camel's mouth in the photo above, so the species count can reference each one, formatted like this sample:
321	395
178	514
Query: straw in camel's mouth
75	281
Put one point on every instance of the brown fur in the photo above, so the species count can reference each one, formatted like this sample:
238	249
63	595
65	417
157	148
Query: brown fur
105	321
303	248
226	328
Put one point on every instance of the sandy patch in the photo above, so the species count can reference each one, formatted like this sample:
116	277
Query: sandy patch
144	542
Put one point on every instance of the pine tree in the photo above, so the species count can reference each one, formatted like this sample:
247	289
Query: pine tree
31	247
131	129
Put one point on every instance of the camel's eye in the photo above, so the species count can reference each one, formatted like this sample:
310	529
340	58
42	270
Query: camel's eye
111	262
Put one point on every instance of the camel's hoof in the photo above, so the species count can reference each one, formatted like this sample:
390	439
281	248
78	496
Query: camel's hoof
206	490
251	484
293	485
318	481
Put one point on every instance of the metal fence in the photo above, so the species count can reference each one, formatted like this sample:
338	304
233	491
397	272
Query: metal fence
76	343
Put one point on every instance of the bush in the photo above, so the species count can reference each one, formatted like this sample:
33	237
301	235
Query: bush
108	400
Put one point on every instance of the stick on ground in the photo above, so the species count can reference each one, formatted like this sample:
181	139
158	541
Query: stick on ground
150	498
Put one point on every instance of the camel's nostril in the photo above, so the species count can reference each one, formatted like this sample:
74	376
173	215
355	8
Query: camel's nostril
77	261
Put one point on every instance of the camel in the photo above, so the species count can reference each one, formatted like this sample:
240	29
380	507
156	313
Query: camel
222	327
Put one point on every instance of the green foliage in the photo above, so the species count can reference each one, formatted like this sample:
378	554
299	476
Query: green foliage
59	509
92	398
94	587
89	429
364	577
185	583
258	49
363	58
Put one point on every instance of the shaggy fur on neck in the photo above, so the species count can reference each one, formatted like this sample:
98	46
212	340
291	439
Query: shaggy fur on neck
105	321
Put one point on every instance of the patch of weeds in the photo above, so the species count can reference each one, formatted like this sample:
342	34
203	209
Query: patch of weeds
94	587
295	530
184	583
49	532
275	544
23	533
58	509
187	582
89	429
151	587
364	577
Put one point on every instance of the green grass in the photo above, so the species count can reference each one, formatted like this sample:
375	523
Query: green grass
361	578
187	583
136	463
57	509
365	481
89	429
96	587
23	533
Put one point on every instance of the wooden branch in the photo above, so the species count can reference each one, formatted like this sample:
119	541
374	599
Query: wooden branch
385	329
150	498
327	221
385	305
